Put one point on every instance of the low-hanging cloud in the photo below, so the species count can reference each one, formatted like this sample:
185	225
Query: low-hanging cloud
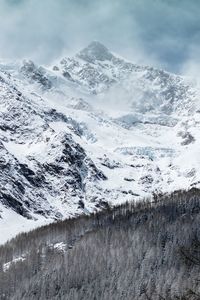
165	33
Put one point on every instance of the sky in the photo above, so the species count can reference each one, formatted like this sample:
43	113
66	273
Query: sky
161	33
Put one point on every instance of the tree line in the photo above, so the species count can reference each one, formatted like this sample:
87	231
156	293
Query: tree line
144	250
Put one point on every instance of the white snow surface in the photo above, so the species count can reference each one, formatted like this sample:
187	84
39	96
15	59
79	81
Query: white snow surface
93	129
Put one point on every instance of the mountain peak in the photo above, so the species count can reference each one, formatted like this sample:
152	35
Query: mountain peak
95	51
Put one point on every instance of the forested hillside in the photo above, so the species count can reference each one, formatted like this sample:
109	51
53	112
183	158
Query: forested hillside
149	250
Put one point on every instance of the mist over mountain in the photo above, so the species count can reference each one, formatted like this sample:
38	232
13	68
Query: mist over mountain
99	150
161	33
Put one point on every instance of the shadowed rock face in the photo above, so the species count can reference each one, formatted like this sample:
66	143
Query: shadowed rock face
61	171
95	51
30	70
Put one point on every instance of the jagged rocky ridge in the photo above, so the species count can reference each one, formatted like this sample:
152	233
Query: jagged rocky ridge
32	181
92	129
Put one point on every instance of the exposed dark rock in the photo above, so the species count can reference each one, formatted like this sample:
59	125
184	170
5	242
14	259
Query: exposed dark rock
30	70
148	179
20	186
95	51
187	138
55	68
81	204
9	201
53	169
129	179
67	75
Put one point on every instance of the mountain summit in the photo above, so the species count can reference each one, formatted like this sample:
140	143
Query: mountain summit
92	129
95	51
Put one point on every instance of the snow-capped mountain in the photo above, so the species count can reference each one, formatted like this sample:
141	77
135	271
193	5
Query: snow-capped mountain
90	130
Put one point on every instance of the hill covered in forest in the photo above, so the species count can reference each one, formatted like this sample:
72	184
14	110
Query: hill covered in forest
148	250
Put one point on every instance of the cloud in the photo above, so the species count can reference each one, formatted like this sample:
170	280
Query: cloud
191	66
157	32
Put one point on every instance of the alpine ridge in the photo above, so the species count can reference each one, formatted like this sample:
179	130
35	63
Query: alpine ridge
90	131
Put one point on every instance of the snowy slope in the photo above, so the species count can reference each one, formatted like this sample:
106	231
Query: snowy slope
89	130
